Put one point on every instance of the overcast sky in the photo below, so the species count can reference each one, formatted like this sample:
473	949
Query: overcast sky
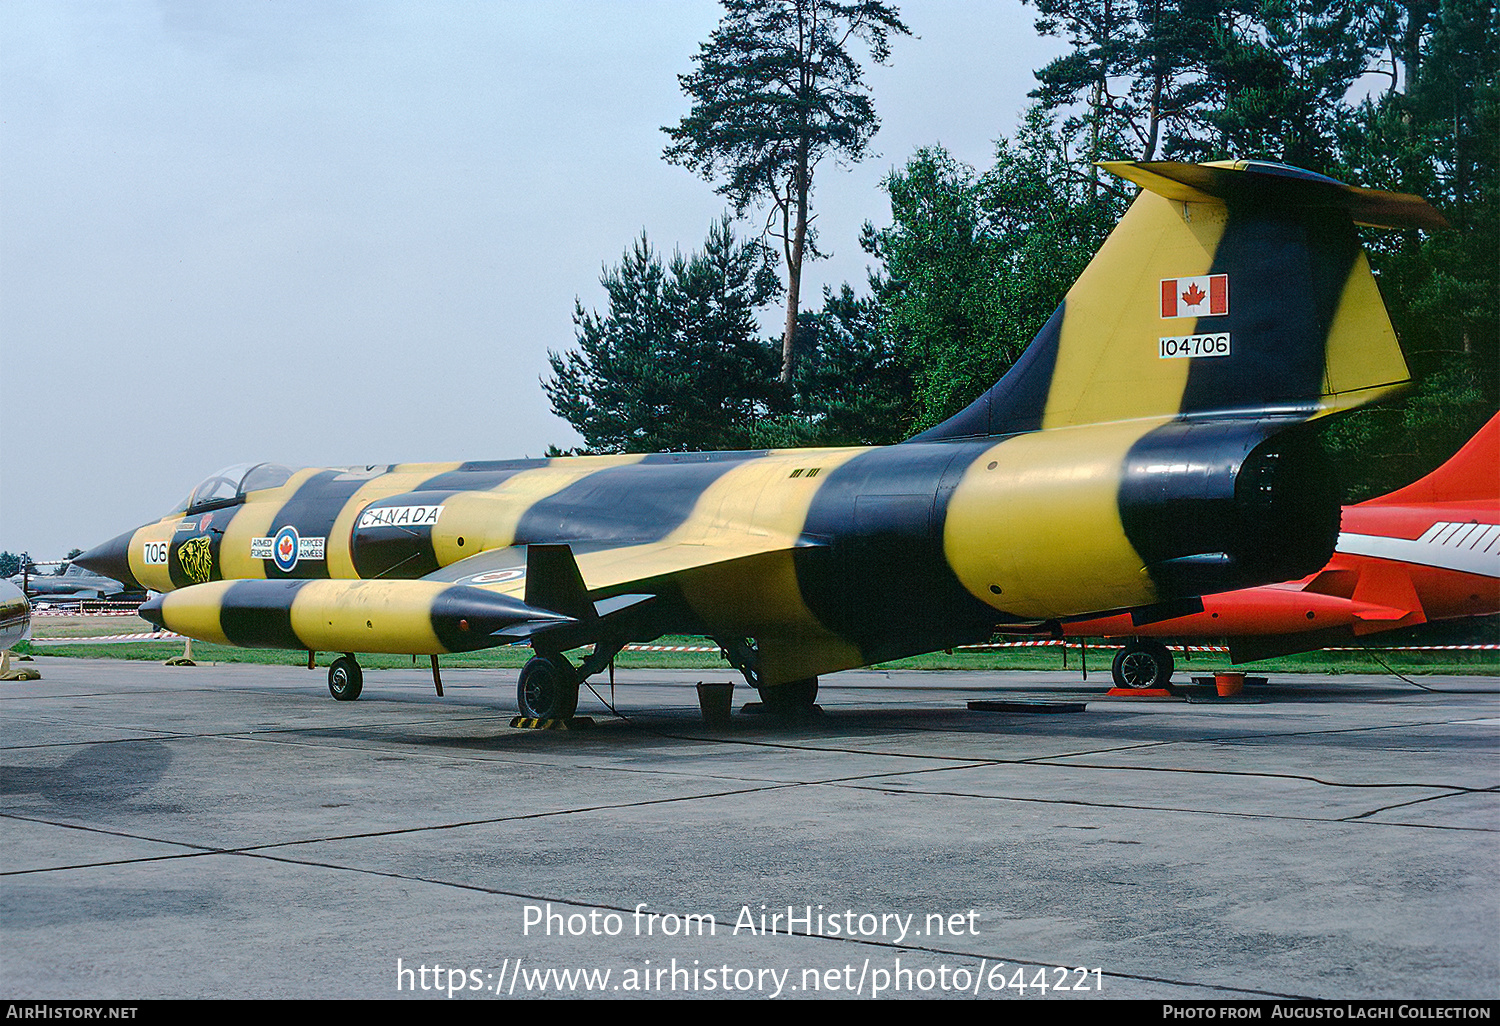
331	233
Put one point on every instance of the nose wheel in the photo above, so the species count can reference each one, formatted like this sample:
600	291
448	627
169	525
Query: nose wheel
345	681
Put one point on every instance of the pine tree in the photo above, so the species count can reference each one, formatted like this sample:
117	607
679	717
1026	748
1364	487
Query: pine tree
851	385
775	90
973	265
1432	132
675	362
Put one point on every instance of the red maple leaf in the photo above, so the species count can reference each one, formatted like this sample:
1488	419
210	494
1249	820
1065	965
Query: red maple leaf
1194	295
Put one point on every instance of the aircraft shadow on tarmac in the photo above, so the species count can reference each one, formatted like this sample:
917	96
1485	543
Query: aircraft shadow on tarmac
97	777
1120	720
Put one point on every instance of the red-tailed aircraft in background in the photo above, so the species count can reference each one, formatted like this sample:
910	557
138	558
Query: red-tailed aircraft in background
1429	551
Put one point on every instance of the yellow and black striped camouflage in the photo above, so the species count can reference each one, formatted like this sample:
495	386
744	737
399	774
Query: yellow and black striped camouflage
1106	471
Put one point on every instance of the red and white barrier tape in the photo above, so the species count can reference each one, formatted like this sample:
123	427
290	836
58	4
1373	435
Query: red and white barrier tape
109	638
1049	643
73	612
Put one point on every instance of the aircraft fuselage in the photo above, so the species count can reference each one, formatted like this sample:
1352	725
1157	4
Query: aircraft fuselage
828	557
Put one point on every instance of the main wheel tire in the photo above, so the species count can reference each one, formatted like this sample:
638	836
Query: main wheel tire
547	688
345	680
794	698
1143	664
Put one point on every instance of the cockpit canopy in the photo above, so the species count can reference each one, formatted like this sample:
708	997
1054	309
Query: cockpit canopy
229	486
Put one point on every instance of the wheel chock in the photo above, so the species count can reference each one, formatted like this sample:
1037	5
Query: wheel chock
1139	693
572	723
7	672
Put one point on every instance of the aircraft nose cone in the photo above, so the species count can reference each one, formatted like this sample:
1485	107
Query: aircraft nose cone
112	559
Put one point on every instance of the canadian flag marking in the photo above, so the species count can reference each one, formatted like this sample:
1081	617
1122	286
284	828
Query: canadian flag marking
1206	295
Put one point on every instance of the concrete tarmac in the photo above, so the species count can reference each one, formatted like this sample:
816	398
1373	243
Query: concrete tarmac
231	831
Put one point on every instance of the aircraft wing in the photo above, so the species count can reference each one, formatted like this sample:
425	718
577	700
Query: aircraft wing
746	583
611	568
498	597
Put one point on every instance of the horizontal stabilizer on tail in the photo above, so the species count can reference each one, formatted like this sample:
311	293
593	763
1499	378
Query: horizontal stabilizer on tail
1277	185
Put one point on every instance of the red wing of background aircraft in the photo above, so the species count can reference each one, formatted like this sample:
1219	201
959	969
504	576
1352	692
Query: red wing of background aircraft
1429	551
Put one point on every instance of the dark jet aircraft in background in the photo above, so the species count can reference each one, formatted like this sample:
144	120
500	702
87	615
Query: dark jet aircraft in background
1149	447
73	584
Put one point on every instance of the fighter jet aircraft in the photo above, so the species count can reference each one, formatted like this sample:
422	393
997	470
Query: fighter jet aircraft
1426	552
72	584
1149	447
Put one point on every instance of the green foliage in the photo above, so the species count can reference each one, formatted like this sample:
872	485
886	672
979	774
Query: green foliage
1205	79
975	264
940	283
674	363
1134	74
1436	138
851	386
511	657
1276	78
1270	79
774	90
975	260
12	563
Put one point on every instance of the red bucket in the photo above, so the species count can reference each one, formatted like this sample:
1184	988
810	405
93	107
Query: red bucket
1229	683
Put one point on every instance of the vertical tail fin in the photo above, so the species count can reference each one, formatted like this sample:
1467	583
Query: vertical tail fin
1227	289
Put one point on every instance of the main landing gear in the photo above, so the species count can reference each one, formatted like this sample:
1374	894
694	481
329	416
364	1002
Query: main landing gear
1143	663
548	688
792	700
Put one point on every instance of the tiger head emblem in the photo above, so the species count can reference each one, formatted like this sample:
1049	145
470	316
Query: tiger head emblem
197	559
